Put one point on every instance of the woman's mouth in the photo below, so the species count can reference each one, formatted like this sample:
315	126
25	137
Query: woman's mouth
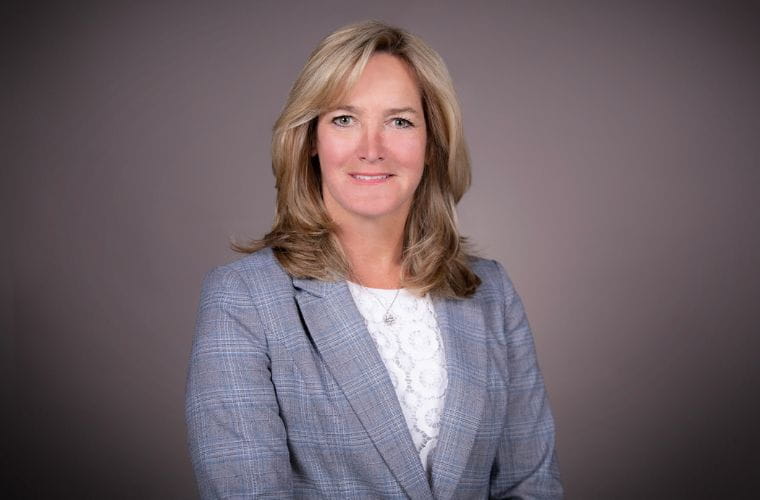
371	178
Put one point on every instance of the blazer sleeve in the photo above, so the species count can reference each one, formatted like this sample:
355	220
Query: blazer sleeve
236	438
526	463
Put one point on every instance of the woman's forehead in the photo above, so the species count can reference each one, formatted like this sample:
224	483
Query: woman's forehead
343	93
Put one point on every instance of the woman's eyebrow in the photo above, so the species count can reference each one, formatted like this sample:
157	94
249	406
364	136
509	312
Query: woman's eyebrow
345	107
390	111
394	111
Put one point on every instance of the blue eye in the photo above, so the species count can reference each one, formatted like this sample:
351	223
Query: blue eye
402	123
342	120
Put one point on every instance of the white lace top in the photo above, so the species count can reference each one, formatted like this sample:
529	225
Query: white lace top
412	350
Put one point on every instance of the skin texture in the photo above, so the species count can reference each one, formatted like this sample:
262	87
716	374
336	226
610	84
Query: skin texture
379	128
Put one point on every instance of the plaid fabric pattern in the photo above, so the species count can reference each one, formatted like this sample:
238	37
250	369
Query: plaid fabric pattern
287	396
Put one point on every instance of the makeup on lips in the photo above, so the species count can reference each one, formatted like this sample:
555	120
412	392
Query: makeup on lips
370	178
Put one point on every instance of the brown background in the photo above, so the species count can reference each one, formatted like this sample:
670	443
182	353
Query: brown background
616	169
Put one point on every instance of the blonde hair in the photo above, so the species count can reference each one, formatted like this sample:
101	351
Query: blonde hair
303	237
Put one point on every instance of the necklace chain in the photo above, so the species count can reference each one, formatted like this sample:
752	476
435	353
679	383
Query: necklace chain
388	318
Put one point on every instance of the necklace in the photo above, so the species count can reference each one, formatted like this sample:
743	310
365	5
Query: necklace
388	318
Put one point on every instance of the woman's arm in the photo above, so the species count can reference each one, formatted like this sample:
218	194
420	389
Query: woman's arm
526	463
237	439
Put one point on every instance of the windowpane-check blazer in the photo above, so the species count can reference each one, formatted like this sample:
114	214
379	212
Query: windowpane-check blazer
288	397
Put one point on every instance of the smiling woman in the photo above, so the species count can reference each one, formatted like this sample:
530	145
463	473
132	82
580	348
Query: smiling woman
306	239
360	351
371	154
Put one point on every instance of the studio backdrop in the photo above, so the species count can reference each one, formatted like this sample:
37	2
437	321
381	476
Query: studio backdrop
615	174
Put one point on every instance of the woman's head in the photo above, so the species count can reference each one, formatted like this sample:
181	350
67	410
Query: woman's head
432	243
331	70
370	146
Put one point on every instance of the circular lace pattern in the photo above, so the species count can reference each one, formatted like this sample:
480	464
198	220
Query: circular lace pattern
412	350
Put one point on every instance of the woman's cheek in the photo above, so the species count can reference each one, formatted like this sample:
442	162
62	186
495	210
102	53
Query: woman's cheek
335	149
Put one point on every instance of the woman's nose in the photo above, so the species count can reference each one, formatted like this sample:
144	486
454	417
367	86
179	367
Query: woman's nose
371	148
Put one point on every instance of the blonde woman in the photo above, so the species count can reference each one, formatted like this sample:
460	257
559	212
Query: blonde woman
359	351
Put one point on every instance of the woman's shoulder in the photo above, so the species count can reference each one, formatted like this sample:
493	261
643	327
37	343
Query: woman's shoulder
257	272
493	276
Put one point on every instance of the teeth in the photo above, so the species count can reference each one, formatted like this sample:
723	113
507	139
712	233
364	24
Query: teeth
370	177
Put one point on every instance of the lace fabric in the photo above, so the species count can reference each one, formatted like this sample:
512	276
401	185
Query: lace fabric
412	351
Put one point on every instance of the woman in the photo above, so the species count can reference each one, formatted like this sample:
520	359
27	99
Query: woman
359	351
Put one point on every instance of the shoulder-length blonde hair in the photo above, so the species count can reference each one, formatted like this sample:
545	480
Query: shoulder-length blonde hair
303	237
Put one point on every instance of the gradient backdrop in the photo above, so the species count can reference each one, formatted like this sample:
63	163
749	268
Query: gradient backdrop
616	175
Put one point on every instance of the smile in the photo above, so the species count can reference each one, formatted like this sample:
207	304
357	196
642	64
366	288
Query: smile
371	178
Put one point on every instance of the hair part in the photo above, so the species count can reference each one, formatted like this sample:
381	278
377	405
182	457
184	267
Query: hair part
435	257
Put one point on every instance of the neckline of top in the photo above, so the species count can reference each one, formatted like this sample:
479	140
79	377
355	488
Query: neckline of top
379	290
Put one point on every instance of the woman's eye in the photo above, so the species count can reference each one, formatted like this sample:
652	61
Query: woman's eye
402	122
342	121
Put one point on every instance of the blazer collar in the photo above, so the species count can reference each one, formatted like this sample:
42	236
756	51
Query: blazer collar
340	335
317	288
464	338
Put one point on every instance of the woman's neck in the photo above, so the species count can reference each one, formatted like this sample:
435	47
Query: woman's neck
373	249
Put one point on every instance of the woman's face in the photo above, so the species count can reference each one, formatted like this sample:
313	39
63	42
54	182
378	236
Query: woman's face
371	146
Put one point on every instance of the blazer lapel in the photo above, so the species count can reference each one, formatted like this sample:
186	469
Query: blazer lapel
462	328
340	335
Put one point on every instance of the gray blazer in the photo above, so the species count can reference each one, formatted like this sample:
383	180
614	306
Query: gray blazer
287	396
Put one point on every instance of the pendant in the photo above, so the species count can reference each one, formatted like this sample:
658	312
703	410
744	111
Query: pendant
389	319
